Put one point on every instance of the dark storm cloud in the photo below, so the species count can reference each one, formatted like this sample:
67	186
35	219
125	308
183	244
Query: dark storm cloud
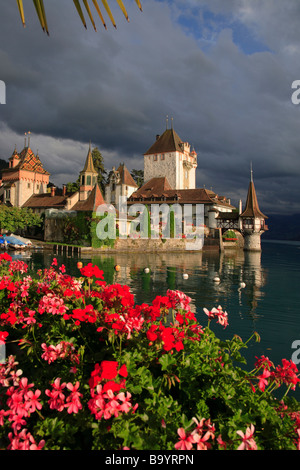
116	87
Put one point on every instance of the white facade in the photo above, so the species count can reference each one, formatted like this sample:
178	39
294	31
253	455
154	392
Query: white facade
120	184
178	167
172	158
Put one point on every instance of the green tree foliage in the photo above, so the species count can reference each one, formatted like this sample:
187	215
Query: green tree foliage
14	218
99	167
138	176
72	187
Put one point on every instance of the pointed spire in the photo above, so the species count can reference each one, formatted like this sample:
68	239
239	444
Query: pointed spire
89	164
252	209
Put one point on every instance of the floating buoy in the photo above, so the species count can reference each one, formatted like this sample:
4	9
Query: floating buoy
146	270
117	267
242	285
185	276
217	279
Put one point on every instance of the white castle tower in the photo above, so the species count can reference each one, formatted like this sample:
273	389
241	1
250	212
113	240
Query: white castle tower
172	158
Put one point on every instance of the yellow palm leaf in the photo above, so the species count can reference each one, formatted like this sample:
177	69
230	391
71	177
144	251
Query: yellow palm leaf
79	10
139	4
109	12
99	13
44	16
39	13
40	9
21	10
89	13
120	3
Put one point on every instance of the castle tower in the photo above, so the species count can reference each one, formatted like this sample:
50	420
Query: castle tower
170	157
88	177
252	220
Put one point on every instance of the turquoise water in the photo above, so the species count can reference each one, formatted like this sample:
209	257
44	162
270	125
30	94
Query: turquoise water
269	303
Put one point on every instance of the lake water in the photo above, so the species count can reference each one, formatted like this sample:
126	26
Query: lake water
269	303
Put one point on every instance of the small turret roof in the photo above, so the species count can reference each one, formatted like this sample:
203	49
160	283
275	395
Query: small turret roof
89	164
28	161
252	208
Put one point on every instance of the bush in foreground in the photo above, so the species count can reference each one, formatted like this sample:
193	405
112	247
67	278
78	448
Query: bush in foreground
89	369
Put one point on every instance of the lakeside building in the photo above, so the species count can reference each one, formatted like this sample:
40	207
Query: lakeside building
169	178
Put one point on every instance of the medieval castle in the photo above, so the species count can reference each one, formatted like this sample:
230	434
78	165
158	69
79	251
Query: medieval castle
169	177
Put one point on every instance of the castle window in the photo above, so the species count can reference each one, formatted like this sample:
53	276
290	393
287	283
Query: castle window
28	185
155	158
82	180
162	157
94	180
7	194
88	180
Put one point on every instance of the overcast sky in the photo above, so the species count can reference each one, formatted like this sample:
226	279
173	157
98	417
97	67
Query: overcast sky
223	70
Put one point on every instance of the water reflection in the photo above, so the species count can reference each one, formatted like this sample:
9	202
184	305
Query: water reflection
167	270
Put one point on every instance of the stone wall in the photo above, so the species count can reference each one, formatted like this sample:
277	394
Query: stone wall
252	242
158	245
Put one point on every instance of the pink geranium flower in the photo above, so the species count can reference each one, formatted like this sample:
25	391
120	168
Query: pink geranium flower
186	440
248	442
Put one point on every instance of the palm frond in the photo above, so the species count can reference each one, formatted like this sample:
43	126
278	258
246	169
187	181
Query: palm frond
99	13
79	11
87	7
41	13
21	10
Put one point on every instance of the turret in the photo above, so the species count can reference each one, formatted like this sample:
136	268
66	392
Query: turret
252	220
88	177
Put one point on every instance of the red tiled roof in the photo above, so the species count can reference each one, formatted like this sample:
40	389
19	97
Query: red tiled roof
125	176
94	200
45	201
158	190
154	186
28	161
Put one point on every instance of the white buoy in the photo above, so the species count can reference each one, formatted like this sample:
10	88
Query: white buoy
146	270
185	276
217	279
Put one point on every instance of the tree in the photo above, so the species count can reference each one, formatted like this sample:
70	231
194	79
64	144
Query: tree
138	176
40	10
99	167
72	187
16	218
